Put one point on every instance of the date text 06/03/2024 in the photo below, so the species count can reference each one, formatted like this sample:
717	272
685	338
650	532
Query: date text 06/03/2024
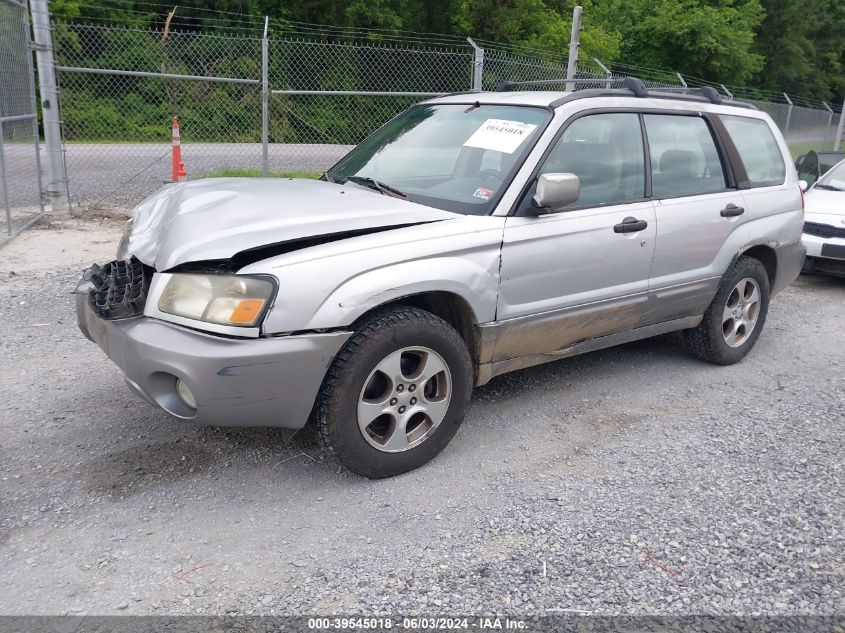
421	623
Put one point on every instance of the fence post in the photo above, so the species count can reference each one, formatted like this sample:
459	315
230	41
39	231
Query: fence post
36	141
5	184
829	121
727	92
477	66
683	83
788	114
574	44
265	101
57	187
607	74
838	140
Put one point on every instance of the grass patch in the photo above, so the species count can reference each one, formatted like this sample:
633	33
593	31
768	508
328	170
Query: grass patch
802	148
256	173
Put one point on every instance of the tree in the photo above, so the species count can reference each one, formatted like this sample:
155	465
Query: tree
711	39
533	23
803	46
783	45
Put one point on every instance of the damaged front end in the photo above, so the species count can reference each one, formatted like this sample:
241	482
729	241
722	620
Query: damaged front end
116	290
119	288
184	310
198	371
198	376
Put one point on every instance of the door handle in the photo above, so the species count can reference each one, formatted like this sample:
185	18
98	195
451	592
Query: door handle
630	225
731	211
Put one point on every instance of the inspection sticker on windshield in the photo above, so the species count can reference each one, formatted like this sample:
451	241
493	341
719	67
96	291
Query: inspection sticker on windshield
500	135
484	194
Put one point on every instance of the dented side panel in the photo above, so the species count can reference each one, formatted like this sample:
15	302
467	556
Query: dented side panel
332	285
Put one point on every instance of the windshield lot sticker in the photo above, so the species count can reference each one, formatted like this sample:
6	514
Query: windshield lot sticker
500	135
484	194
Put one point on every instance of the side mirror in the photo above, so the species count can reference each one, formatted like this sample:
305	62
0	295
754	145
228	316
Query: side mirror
803	184
556	191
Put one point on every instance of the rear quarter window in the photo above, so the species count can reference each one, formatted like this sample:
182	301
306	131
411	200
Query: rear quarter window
758	150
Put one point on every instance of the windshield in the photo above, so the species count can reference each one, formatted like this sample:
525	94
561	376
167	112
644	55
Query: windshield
834	179
455	157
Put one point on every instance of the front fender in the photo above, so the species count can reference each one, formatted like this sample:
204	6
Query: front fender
476	282
332	285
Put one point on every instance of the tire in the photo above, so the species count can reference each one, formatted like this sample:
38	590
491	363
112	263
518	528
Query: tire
720	338
363	379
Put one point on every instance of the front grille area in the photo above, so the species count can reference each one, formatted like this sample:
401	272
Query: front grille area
120	288
823	230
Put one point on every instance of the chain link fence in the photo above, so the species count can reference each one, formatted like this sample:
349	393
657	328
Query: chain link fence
120	88
20	172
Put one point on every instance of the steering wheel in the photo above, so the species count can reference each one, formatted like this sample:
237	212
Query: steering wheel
490	174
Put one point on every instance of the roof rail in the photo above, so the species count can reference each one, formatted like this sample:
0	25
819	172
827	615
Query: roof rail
708	92
634	84
507	86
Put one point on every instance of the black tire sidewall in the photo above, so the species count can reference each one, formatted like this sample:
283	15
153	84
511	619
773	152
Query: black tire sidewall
745	268
341	413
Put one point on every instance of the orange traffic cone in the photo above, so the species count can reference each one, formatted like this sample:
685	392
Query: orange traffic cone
177	168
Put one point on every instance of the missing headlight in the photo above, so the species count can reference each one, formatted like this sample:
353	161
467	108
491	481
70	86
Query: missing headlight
120	288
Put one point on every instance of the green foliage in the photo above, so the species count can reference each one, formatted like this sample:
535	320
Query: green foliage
711	39
803	45
536	24
372	14
783	45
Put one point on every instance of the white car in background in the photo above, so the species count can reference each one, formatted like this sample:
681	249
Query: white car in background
824	223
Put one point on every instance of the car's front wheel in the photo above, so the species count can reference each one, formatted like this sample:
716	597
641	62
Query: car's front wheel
395	394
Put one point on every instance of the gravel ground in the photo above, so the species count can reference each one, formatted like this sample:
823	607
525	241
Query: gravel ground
633	480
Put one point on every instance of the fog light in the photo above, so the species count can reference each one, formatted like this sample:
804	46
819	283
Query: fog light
185	393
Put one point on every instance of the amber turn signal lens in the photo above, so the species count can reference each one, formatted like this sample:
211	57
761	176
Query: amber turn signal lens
246	311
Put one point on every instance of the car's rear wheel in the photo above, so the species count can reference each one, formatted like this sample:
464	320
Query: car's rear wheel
735	318
395	394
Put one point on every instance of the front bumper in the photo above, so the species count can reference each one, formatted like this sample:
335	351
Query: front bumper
236	382
818	264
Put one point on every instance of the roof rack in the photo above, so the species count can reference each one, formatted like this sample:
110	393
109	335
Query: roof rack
507	86
634	84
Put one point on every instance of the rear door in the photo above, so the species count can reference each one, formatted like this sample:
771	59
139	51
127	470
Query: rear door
773	209
697	208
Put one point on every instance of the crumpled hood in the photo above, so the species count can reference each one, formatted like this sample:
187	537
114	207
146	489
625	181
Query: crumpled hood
824	201
216	218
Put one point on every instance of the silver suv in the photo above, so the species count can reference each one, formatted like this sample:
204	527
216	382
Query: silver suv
472	235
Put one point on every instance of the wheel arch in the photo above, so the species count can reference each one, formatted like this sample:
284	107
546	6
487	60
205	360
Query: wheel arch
449	306
766	255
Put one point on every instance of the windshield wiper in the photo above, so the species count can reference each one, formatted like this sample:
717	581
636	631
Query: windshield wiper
374	184
828	187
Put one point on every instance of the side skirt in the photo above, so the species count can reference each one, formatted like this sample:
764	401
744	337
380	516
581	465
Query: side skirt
487	371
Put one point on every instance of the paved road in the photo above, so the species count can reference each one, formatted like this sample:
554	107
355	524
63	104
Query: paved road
632	480
115	176
118	175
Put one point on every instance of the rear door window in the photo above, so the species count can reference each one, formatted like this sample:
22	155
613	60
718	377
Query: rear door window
684	157
757	148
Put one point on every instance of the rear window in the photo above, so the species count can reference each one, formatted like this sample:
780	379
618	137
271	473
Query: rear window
758	150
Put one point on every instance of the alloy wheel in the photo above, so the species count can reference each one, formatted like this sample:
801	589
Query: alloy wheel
742	309
404	399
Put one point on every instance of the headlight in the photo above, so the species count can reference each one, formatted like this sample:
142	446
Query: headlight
223	299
